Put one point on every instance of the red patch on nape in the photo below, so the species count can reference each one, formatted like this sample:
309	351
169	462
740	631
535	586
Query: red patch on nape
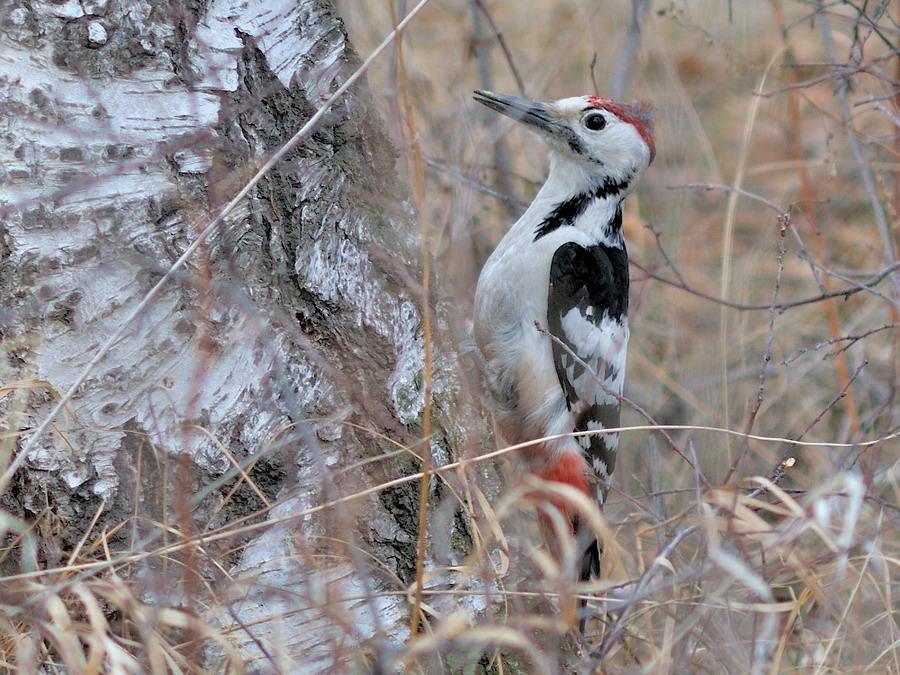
638	114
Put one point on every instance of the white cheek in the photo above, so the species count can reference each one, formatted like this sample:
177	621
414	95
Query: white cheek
620	148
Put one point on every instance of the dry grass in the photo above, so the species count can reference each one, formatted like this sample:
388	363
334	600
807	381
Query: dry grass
757	200
758	531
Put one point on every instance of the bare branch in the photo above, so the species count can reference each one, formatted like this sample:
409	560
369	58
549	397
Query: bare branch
730	188
767	350
619	624
743	307
865	172
629	47
853	339
520	83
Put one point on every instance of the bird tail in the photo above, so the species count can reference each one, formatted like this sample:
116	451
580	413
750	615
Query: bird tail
570	468
590	563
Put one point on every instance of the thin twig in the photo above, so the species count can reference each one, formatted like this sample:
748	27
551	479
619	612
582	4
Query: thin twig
779	467
852	338
520	83
457	175
842	293
750	492
865	172
783	221
426	458
619	624
804	255
796	150
846	278
659	504
844	69
629	47
251	523
596	89
481	50
665	254
729	188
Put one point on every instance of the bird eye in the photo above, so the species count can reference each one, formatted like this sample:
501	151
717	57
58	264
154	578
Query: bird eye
595	121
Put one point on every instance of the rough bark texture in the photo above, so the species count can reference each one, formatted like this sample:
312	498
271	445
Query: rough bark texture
126	125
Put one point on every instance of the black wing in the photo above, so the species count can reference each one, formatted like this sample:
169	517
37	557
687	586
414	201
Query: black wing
587	308
588	303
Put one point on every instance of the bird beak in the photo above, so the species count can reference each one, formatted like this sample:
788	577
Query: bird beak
533	113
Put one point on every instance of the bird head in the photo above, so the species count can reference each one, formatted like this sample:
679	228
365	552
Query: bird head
599	136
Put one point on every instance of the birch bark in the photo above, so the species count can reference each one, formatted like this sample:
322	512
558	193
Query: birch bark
260	382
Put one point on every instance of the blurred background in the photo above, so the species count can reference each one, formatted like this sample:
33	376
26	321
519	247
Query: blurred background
763	243
753	520
751	137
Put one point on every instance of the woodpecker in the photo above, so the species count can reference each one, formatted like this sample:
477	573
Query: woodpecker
562	271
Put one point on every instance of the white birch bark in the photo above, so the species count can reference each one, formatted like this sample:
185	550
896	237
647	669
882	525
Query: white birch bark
125	126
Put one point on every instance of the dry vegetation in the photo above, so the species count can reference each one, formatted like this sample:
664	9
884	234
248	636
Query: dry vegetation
779	555
756	527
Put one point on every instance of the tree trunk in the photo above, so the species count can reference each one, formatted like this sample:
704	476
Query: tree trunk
263	379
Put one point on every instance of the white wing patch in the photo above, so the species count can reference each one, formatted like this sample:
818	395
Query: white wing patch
603	347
